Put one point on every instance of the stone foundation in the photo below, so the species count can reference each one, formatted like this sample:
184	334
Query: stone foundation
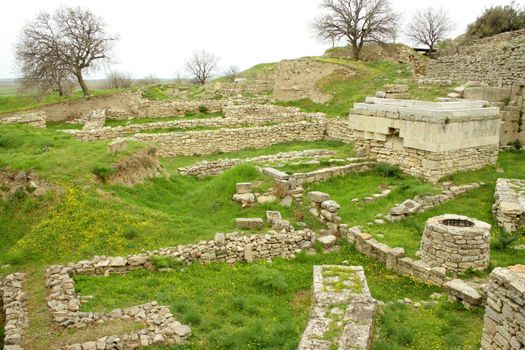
212	168
427	139
504	323
456	243
343	310
36	119
14	310
230	140
509	208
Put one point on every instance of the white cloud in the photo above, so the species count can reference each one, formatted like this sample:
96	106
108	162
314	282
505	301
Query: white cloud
157	35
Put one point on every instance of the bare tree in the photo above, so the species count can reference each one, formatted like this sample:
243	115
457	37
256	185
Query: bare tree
429	26
74	38
118	80
232	72
357	21
201	65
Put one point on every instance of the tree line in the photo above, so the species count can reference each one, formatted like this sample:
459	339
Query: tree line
57	49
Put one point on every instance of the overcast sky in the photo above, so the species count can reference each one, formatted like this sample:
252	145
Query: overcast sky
156	36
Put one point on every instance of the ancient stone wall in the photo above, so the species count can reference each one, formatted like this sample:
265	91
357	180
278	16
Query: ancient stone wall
509	206
14	309
207	168
136	168
229	140
504	322
340	130
499	61
108	133
37	119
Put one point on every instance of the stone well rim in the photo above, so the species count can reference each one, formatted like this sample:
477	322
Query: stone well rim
440	223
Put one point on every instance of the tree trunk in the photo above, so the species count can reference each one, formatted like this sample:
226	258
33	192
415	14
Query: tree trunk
82	83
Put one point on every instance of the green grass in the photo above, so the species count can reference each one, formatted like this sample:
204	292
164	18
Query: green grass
370	77
250	306
54	155
145	120
259	71
442	326
20	102
306	168
63	126
155	93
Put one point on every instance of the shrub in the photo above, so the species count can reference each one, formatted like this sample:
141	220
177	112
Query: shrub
102	172
165	262
203	109
270	279
130	233
388	170
498	19
516	144
506	239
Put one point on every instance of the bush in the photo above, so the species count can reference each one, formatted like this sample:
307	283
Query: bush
130	233
506	239
203	109
387	170
269	279
498	19
103	172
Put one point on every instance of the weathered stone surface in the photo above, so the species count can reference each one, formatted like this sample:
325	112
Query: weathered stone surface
254	223
327	241
318	197
460	290
117	146
343	308
509	208
243	187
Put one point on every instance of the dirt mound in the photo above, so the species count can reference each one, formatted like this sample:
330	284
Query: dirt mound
136	168
18	184
378	52
297	79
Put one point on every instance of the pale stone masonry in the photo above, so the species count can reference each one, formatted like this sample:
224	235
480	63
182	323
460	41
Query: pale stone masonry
343	310
427	139
504	322
230	140
456	243
212	168
14	302
498	61
509	208
36	119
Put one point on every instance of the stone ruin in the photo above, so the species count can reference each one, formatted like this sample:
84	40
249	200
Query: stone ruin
343	310
36	119
427	139
504	322
326	210
456	243
509	208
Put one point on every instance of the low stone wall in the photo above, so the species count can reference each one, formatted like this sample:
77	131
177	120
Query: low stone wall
343	310
230	140
509	208
162	328
15	310
260	110
424	202
504	322
340	130
327	173
456	243
36	119
212	168
109	133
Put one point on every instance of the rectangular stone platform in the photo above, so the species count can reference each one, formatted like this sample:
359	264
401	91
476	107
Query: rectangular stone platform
427	139
343	310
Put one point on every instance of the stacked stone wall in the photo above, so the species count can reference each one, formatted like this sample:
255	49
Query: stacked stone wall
14	309
230	140
109	133
509	206
340	130
431	166
504	322
499	61
37	119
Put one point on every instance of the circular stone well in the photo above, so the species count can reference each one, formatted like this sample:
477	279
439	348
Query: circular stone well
456	243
